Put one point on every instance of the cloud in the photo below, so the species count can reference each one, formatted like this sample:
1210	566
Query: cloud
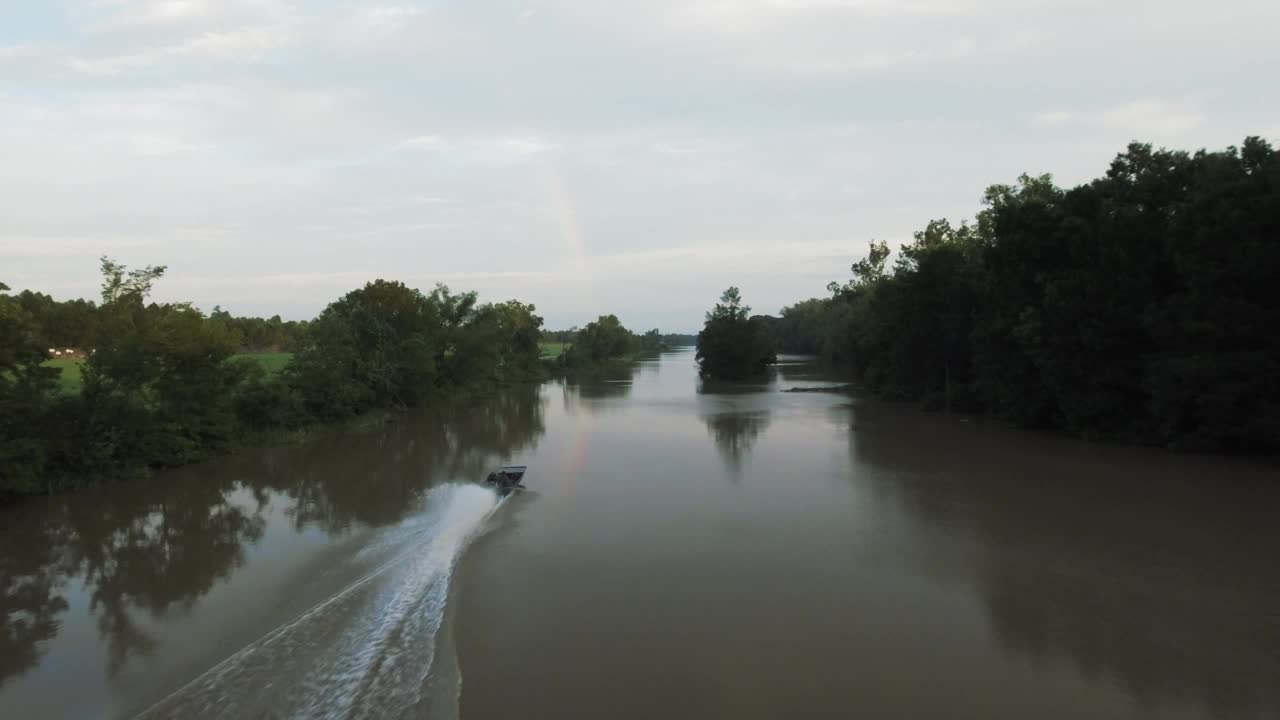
1153	116
588	148
482	148
248	44
119	36
838	37
422	141
1055	118
677	148
121	17
16	52
348	279
386	18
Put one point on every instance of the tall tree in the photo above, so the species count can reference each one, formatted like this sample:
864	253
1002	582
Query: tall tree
732	345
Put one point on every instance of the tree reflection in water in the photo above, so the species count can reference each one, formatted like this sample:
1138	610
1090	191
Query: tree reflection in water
597	391
159	545
735	433
30	592
1123	562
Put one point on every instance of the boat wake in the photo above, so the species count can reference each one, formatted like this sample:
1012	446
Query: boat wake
369	651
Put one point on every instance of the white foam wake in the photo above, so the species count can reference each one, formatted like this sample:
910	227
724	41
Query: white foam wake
364	652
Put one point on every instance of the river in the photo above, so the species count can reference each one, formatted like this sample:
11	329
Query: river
682	551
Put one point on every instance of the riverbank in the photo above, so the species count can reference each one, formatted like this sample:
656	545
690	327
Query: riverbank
729	537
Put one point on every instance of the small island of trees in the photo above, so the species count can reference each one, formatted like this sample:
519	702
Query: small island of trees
733	345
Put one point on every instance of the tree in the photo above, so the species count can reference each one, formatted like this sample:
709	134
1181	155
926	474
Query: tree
733	346
1139	307
157	388
162	387
26	396
119	282
650	342
379	346
601	341
519	330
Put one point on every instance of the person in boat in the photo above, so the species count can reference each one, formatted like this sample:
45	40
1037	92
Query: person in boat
503	480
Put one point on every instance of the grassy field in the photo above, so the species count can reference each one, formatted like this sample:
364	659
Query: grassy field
272	362
552	350
69	381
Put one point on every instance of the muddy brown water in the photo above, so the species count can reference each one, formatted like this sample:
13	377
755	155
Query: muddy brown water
683	551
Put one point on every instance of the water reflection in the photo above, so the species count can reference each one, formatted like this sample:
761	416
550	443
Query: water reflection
600	390
734	434
154	550
31	598
1125	564
397	463
147	548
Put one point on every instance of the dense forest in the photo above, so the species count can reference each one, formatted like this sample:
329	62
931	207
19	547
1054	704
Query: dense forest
75	324
1139	307
648	342
604	341
162	384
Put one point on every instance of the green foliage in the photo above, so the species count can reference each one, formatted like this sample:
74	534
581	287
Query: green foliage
270	362
26	398
519	331
733	346
599	342
164	385
70	370
258	335
68	324
120	283
75	324
372	348
561	337
652	341
1138	307
70	380
552	350
604	341
670	340
156	386
264	400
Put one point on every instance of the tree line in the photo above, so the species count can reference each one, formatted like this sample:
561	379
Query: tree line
1139	307
606	340
75	324
161	386
156	527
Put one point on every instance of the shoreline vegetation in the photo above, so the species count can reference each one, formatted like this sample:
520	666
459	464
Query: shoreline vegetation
603	343
1140	307
91	392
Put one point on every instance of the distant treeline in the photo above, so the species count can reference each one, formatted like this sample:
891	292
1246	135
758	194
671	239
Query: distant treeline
75	324
606	340
664	340
161	386
1143	306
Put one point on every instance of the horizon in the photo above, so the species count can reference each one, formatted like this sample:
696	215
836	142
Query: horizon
634	160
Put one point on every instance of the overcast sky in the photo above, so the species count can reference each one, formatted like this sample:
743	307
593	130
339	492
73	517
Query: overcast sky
588	156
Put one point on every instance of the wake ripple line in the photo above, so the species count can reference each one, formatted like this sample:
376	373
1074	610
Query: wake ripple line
227	666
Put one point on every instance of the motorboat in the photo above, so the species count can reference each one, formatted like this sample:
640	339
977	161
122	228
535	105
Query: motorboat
507	478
